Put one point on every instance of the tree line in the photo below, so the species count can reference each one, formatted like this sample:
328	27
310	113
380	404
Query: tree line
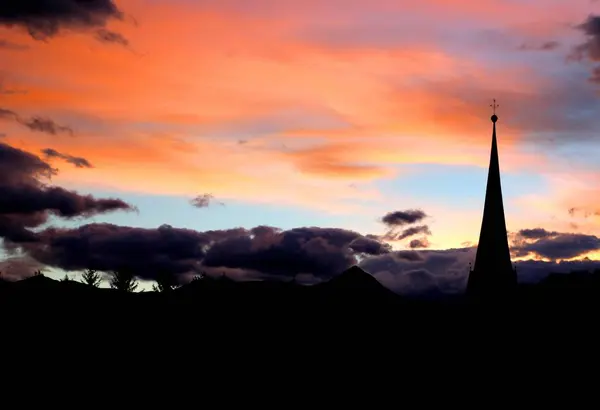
126	281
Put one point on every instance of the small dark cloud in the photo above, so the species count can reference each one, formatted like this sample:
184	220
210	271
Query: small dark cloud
536	233
46	125
419	243
107	36
36	123
9	45
400	218
395	220
2	135
368	245
79	162
547	46
46	18
412	231
242	142
204	201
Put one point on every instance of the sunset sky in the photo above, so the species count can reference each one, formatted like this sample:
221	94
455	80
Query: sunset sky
315	113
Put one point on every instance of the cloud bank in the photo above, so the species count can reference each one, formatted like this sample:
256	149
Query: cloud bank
309	254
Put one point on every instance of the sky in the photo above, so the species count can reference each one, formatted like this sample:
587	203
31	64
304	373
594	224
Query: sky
313	118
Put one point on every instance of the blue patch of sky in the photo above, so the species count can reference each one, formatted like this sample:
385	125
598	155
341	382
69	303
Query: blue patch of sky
460	187
177	211
577	153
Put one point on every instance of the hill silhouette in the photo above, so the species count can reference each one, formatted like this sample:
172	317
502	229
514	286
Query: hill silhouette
348	295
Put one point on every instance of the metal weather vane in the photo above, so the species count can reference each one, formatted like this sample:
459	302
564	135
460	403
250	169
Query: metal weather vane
494	106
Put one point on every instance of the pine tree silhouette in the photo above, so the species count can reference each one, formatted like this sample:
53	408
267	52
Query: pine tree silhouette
200	276
165	282
123	280
91	277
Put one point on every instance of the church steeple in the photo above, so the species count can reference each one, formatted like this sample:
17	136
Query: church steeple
493	274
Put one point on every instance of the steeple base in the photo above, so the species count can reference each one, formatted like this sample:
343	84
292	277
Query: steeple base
491	286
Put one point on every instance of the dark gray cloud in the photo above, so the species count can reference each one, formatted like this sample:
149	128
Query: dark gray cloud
412	272
397	219
107	36
590	48
446	271
321	252
419	243
412	231
259	252
46	18
204	201
30	199
536	233
563	246
552	245
36	123
20	167
27	202
79	162
46	125
369	245
401	218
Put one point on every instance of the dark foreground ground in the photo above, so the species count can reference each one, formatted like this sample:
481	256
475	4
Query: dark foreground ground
288	340
352	306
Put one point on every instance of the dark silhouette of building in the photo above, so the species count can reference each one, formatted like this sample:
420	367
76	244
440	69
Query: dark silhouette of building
493	275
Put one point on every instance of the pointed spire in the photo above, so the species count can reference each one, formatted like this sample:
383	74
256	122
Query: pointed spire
493	272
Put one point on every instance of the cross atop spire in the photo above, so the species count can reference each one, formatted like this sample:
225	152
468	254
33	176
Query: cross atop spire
494	106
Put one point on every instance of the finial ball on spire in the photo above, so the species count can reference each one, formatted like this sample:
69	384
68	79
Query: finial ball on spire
494	118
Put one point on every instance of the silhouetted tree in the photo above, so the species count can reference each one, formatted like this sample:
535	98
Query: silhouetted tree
165	282
123	280
37	272
91	277
200	276
66	278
